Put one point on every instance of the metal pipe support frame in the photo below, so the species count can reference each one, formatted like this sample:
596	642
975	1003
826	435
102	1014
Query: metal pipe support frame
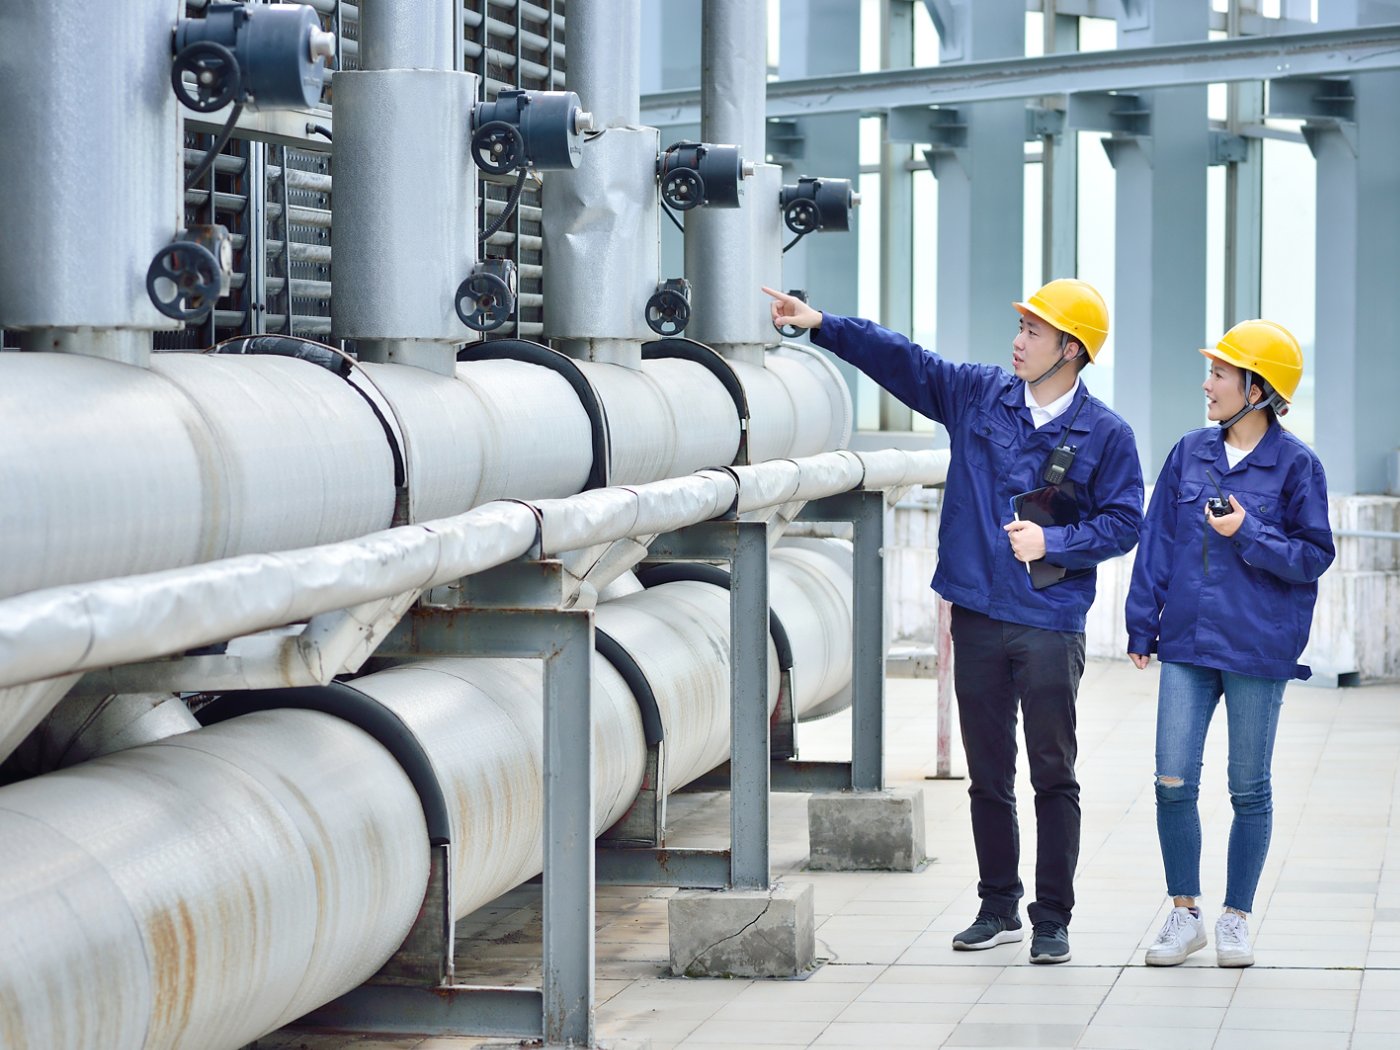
745	865
516	615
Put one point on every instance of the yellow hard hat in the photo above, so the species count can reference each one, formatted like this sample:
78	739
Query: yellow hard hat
1265	348
1071	306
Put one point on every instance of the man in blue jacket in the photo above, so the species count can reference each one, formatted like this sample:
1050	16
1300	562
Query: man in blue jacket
1016	638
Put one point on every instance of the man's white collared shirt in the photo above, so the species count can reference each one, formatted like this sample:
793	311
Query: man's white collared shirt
1042	414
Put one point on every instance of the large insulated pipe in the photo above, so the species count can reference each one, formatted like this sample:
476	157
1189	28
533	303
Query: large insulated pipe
730	253
91	129
405	188
602	244
216	885
206	889
82	728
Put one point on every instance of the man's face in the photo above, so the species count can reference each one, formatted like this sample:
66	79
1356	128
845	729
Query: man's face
1035	349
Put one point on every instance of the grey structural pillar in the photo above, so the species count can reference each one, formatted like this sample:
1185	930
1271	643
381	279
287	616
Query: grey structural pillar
1059	251
978	157
1159	305
896	206
818	37
1356	369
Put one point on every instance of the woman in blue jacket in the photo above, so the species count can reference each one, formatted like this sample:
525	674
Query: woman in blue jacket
1223	589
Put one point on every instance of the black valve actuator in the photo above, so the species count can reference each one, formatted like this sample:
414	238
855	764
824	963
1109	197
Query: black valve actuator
696	173
814	205
529	129
267	56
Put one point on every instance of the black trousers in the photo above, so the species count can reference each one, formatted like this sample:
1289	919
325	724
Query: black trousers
995	665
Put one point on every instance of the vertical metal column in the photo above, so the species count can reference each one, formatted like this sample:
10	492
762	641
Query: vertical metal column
1059	252
568	833
748	710
1244	193
1160	291
896	207
980	167
868	655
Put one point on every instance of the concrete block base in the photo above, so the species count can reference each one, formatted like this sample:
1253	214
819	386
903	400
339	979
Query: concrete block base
743	933
866	831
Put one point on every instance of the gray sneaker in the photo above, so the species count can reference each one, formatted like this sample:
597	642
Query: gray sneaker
1182	934
1232	941
1049	942
987	931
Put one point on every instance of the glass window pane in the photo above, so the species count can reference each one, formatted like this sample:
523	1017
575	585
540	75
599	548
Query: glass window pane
925	281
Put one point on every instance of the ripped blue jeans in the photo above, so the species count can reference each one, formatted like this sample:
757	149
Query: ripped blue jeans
1186	700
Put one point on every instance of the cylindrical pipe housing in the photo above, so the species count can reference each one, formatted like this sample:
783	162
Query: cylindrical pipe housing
92	163
406	34
405	203
604	44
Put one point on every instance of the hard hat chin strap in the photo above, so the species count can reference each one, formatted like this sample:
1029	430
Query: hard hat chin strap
1270	399
1064	342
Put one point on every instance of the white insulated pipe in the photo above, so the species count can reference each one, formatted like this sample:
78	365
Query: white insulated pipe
207	889
729	253
91	168
405	34
604	44
81	728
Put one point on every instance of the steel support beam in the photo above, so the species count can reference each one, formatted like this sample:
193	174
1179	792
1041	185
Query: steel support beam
1332	52
518	624
1160	231
978	156
1059	246
1356	370
896	207
744	545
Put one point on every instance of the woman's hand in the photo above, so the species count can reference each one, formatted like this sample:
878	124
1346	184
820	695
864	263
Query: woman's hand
790	310
1228	524
1140	660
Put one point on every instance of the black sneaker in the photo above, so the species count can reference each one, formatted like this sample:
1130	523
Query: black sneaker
987	931
1049	942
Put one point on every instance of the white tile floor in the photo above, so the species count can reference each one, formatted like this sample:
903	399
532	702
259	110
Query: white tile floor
1327	915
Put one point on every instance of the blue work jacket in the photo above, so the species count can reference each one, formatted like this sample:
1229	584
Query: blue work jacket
1242	603
998	453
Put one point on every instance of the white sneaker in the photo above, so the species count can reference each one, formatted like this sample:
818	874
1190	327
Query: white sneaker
1232	941
1182	934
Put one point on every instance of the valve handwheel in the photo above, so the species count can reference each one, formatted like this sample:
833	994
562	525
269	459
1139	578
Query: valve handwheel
189	270
498	148
484	302
668	312
801	216
683	188
217	77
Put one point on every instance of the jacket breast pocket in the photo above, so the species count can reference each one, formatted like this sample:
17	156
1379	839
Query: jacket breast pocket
989	444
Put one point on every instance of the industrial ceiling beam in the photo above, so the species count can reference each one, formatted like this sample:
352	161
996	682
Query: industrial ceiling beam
1334	52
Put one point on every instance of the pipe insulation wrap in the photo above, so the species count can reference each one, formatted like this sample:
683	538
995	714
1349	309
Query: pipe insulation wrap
667	418
23	707
734	75
481	723
406	34
729	254
678	635
832	563
405	203
771	484
772	414
81	728
604	514
49	632
811	593
225	882
602	244
817	425
604	45
498	429
91	129
302	457
841	411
